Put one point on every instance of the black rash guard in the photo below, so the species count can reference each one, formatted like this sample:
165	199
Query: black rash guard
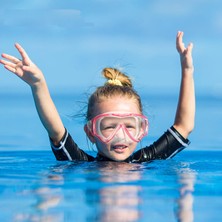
167	146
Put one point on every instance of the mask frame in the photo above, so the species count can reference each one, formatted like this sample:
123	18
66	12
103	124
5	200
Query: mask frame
140	124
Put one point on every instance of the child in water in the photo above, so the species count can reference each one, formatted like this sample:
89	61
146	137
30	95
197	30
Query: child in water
115	120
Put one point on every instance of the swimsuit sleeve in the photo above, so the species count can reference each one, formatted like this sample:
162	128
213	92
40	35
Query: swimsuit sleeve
69	150
167	146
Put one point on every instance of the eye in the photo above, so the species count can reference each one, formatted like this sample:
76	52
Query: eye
108	127
130	126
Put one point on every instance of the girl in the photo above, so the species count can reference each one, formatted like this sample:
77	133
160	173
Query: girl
115	120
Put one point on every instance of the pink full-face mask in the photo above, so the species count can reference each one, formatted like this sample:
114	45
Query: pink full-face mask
107	125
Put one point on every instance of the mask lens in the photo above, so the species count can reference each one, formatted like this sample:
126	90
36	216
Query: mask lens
109	126
106	126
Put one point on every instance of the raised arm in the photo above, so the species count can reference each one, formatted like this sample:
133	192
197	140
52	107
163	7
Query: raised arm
185	114
32	75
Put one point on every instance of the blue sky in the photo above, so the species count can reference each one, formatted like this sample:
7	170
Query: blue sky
71	41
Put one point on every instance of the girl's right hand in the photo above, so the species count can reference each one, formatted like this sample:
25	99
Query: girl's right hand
24	68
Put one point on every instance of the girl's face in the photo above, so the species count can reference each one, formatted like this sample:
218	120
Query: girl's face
120	148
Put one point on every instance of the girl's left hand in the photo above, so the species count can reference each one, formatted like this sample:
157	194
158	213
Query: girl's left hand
185	53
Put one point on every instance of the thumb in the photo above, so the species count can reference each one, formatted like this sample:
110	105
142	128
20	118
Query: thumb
30	68
190	47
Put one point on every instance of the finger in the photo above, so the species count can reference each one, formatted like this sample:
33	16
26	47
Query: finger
179	37
4	62
180	33
23	54
10	68
190	47
28	69
179	42
10	58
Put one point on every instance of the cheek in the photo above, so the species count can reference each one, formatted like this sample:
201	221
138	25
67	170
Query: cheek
101	146
133	146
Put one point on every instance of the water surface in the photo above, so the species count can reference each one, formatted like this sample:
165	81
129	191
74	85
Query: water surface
35	187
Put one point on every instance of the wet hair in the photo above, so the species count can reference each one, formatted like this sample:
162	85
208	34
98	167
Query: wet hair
118	84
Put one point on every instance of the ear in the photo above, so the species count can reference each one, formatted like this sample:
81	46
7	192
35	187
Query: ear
89	134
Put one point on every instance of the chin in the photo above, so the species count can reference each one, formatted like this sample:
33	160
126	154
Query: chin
119	158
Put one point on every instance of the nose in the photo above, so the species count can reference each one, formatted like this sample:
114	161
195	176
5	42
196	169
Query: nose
120	132
121	135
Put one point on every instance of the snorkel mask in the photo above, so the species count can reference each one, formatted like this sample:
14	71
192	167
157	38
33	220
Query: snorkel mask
106	126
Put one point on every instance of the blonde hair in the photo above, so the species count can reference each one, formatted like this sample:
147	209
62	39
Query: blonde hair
117	84
115	77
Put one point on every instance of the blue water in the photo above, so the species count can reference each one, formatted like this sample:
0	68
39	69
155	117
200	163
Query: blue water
35	187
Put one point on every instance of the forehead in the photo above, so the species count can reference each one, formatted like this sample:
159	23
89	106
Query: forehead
117	104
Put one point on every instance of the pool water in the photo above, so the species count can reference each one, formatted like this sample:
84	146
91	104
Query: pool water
36	187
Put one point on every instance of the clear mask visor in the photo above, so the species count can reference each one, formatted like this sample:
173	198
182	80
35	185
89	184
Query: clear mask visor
109	125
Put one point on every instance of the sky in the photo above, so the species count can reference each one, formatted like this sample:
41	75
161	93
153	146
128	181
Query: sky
72	41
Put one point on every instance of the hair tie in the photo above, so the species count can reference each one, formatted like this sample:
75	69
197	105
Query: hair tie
114	82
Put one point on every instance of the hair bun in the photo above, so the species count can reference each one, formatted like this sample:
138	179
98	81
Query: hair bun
116	77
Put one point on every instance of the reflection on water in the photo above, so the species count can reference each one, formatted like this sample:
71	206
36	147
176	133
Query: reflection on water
120	203
184	211
99	191
120	198
114	193
112	197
